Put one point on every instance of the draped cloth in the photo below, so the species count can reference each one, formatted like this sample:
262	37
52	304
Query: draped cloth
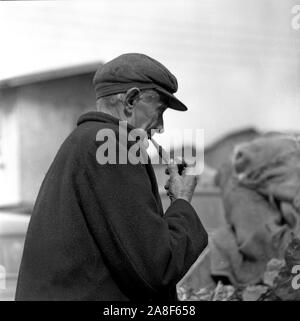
262	209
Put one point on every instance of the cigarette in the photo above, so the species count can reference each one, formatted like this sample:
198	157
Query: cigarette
161	151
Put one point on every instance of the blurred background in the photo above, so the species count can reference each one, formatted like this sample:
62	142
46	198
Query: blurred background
237	63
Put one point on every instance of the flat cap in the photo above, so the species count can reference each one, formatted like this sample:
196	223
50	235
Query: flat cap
136	70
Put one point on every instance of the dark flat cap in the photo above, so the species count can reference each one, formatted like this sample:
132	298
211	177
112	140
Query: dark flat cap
136	70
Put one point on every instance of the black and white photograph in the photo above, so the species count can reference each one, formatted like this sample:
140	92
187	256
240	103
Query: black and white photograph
150	153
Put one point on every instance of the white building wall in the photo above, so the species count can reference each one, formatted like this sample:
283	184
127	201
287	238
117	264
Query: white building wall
9	158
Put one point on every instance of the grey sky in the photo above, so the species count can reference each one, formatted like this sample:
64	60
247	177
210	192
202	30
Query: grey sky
237	61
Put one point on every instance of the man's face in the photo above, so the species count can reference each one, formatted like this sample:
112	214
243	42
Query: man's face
148	112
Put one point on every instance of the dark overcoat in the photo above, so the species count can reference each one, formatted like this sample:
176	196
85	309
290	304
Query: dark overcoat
98	232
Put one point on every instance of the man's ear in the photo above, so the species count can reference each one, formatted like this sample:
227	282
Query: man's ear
131	95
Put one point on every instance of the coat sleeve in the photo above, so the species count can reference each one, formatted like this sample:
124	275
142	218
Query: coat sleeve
147	252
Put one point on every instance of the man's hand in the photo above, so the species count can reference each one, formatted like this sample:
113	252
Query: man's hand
180	186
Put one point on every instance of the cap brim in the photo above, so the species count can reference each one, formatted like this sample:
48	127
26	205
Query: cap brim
173	102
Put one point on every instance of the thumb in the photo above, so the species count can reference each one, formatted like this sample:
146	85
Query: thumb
172	168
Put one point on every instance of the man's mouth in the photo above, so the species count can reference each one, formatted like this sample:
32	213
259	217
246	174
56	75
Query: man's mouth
152	131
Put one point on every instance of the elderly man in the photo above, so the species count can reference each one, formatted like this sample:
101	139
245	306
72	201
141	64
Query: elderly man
98	231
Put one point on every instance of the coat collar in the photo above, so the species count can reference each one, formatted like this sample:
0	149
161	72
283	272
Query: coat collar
100	117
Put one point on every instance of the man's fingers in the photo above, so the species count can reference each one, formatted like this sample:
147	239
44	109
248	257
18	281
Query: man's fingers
179	166
180	169
172	168
194	169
